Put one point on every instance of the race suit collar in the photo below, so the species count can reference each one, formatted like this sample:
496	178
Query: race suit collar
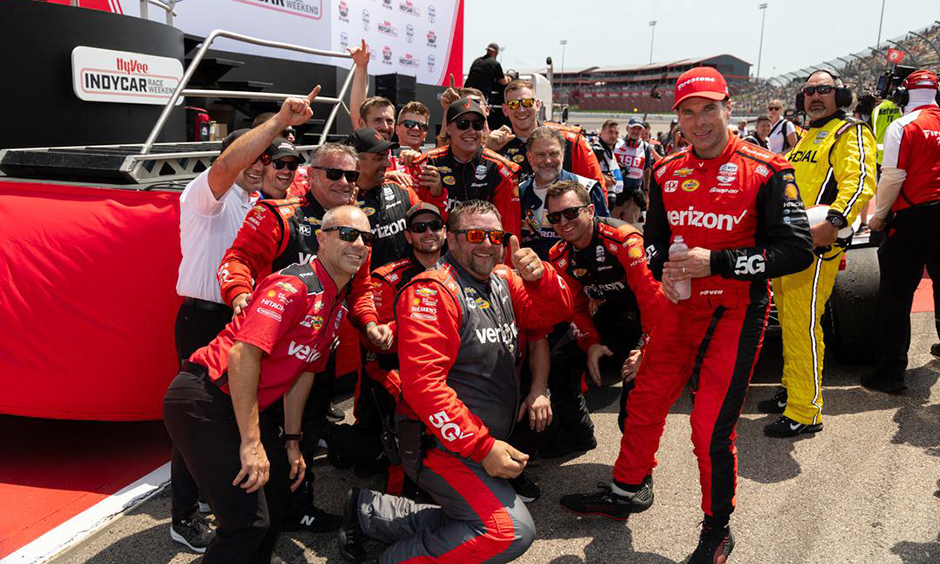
730	147
840	114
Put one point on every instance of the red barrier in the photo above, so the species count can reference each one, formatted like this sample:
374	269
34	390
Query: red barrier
88	300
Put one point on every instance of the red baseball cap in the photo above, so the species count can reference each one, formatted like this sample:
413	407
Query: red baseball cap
704	82
921	79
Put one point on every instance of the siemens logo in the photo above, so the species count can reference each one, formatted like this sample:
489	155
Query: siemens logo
711	220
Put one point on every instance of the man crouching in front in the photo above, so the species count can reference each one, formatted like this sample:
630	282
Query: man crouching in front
458	349
215	408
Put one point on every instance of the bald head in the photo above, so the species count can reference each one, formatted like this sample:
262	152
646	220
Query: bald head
346	216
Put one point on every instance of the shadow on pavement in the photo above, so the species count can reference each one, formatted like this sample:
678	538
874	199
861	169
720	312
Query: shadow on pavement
762	459
917	552
610	541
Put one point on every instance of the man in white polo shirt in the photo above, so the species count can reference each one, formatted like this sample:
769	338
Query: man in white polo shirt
212	209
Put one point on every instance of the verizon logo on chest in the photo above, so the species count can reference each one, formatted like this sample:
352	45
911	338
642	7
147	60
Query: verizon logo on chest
709	220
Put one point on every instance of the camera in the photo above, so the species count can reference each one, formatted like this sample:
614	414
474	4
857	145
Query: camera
891	79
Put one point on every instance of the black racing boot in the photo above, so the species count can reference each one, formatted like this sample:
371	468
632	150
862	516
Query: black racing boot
351	538
608	504
714	546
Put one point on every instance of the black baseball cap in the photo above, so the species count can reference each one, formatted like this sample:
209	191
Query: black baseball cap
493	46
281	148
464	106
231	137
420	208
368	140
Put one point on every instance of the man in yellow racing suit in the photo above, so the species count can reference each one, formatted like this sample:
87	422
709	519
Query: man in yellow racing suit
834	163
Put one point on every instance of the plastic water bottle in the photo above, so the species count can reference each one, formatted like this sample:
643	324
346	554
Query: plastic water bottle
684	288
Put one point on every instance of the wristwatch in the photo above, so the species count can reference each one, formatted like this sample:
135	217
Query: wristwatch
837	220
292	437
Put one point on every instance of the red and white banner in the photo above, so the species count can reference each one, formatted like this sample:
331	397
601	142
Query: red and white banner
895	56
421	38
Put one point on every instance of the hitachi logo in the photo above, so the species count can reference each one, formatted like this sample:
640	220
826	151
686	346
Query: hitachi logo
711	220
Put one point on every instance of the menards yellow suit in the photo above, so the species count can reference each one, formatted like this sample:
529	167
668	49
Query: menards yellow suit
834	163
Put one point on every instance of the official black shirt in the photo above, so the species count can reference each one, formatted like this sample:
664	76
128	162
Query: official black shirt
485	74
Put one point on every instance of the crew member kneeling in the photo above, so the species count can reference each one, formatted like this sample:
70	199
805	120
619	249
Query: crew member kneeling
214	408
458	351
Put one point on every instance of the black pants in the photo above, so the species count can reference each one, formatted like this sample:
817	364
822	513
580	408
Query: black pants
201	422
619	328
912	243
195	328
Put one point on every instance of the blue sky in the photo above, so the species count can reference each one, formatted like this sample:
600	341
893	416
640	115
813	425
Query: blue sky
797	33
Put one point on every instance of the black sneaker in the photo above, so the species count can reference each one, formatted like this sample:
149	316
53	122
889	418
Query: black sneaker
334	413
786	427
608	504
351	538
304	516
775	404
714	546
875	381
195	534
527	490
935	349
567	443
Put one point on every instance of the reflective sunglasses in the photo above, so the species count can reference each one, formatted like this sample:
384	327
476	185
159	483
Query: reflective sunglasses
264	159
351	234
412	124
569	213
433	225
476	236
524	102
464	124
822	89
281	163
337	173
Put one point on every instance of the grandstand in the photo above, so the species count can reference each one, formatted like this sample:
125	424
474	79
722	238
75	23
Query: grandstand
648	88
859	70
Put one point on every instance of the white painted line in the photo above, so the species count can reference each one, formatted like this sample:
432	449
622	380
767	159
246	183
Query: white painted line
77	528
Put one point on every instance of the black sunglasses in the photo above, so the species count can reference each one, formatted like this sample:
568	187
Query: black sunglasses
569	213
288	132
433	225
281	163
463	124
772	108
411	124
476	236
822	89
337	173
351	234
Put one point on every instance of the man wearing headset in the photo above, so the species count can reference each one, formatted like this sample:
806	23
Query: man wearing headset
909	210
834	163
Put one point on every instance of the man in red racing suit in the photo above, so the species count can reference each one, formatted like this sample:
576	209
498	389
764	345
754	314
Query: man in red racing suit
737	208
459	353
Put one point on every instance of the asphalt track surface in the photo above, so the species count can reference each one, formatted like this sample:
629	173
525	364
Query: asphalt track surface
865	489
